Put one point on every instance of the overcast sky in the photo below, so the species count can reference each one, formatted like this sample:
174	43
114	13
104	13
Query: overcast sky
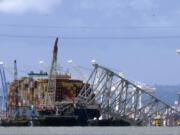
136	37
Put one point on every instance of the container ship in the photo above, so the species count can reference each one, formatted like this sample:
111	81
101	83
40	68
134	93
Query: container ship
46	99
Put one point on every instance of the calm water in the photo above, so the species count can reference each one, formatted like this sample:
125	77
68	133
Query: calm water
90	131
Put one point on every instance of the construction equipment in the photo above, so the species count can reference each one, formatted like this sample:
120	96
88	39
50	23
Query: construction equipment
15	70
52	77
4	88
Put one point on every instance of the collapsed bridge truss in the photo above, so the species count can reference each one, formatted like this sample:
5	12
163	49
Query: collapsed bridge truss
118	98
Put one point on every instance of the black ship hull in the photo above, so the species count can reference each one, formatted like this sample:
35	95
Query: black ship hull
16	123
58	121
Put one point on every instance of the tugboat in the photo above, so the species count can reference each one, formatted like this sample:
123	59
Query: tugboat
19	121
25	116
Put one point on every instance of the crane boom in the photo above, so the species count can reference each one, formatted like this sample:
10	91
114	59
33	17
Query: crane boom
4	88
15	70
52	75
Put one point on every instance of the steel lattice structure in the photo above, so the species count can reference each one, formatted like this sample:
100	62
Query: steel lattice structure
118	98
52	77
4	88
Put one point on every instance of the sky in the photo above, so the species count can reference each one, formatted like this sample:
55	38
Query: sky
138	38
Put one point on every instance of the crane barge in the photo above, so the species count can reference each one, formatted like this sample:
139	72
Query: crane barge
49	97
